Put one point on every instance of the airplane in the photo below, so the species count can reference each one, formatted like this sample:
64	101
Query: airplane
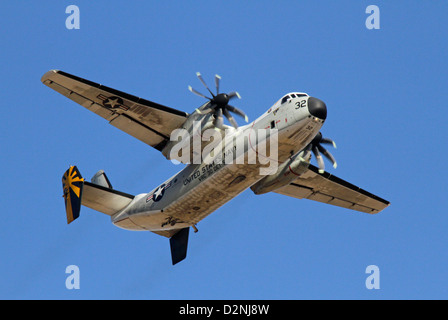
292	126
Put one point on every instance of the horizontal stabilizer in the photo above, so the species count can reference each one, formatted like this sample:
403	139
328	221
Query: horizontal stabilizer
105	200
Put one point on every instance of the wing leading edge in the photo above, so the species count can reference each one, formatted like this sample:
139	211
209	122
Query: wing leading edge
145	120
330	189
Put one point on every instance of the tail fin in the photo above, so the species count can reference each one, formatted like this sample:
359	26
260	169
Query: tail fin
72	183
101	179
179	244
97	195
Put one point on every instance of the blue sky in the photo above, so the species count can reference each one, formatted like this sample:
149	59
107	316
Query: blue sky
386	96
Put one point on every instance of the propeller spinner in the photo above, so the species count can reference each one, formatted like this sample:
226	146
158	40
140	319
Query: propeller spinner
316	147
218	106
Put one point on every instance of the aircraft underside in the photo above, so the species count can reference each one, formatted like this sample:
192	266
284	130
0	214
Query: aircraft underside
293	123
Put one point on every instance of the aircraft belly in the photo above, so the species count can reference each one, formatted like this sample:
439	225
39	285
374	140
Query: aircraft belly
199	200
158	221
149	221
137	217
215	189
213	192
199	190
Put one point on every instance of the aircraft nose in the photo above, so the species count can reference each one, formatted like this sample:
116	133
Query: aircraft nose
317	108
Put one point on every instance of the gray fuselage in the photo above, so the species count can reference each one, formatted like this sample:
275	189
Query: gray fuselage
200	189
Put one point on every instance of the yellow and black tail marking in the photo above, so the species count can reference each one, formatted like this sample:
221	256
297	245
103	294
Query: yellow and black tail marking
72	183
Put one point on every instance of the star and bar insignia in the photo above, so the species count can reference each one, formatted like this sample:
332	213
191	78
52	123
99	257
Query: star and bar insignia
113	102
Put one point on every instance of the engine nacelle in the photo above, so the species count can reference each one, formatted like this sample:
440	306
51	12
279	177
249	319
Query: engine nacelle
188	141
286	173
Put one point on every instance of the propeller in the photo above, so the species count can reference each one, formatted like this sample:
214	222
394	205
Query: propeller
316	147
218	106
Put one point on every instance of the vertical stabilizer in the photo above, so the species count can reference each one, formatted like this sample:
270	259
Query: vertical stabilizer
179	244
101	179
72	183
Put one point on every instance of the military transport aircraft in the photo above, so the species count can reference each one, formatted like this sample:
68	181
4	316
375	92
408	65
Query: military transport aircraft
293	124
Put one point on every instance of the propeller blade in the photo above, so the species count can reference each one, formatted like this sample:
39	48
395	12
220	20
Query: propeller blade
230	118
203	82
319	159
306	151
218	105
328	141
207	109
198	93
217	78
238	112
317	149
328	155
205	120
218	122
317	138
234	94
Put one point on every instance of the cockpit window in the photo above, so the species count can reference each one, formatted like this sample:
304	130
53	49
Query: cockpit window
285	98
301	95
293	96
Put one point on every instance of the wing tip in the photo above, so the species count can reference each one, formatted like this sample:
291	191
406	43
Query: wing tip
48	75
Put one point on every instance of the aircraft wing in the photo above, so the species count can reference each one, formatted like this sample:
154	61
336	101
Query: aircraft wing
330	189
145	120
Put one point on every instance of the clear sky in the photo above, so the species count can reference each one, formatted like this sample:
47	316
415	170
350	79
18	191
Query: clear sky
386	93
